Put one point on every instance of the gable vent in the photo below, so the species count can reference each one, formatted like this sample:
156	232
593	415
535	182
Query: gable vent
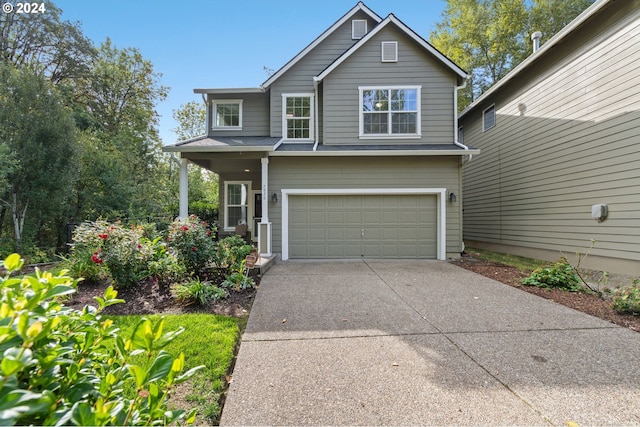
358	28
389	51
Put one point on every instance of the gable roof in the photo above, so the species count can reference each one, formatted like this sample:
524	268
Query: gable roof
553	41
358	7
409	32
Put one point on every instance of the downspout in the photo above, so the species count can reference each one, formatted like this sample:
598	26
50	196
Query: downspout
455	118
317	114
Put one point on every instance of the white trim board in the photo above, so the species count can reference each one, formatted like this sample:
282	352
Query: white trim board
441	194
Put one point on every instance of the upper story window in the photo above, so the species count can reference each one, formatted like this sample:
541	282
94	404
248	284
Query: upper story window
227	114
358	28
297	117
461	135
488	118
390	112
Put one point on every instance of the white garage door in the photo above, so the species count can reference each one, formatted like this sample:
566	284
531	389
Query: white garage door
373	226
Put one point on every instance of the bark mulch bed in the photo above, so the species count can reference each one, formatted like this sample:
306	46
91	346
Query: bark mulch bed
151	298
585	302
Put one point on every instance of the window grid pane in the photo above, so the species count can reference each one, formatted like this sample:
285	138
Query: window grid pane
236	215
298	117
389	111
228	115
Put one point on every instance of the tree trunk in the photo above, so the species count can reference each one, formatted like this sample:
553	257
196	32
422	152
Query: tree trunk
18	220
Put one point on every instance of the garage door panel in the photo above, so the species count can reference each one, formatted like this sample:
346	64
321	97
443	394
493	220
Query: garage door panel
331	226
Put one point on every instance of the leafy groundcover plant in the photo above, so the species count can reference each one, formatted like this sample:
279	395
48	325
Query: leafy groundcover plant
627	299
62	366
560	274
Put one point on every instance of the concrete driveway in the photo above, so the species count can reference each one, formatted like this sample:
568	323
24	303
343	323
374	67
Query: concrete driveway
381	342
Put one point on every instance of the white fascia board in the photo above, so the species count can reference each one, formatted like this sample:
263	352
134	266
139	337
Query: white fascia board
441	194
409	32
557	38
374	153
225	91
359	7
217	149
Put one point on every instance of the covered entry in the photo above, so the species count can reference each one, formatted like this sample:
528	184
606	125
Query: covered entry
353	223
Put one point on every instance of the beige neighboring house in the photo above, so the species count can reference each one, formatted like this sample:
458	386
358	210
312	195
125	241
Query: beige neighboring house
560	141
349	150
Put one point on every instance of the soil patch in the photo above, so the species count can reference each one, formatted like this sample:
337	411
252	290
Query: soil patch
584	302
149	297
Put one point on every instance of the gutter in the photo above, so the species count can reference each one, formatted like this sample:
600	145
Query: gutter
455	119
317	113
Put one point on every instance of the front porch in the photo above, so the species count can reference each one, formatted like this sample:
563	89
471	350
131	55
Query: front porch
242	165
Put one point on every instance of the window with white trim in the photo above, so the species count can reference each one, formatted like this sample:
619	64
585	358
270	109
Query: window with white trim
236	203
390	112
488	118
358	28
297	117
389	51
227	114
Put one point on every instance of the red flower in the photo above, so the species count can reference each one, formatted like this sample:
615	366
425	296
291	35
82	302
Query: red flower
185	228
103	236
95	259
193	248
139	246
208	232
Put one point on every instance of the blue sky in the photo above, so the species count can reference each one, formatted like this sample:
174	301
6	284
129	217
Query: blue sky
215	43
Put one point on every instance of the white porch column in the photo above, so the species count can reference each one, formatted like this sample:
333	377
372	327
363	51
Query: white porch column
265	189
184	189
264	233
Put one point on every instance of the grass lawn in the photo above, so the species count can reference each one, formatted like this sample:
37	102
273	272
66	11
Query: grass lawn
522	263
208	340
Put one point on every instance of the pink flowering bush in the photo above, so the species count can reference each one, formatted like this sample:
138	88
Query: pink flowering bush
192	241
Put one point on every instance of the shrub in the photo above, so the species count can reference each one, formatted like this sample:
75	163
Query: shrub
627	299
84	251
193	243
557	275
197	292
62	366
163	264
125	252
238	281
231	252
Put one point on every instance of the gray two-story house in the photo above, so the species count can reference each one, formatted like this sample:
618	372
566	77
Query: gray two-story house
349	150
560	141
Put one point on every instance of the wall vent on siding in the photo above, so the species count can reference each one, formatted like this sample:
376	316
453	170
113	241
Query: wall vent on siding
389	51
358	28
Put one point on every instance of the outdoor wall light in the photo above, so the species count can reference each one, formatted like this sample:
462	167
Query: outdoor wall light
274	198
452	197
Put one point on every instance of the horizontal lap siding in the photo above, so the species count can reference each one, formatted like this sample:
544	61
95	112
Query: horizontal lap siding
299	78
255	115
565	139
341	103
366	172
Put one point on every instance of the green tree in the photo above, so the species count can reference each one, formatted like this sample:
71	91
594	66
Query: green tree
120	145
38	135
45	43
191	118
488	38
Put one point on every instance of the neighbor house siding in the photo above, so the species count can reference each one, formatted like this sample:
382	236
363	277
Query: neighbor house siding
367	172
255	115
415	67
567	136
299	78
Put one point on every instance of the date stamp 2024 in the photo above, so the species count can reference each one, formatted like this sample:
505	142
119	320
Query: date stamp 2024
24	8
